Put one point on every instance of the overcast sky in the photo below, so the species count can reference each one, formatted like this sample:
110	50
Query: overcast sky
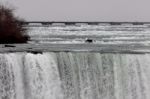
82	10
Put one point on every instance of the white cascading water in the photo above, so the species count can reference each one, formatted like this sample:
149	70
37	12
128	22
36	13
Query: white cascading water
74	75
29	76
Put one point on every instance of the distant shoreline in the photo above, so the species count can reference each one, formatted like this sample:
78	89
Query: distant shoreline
83	22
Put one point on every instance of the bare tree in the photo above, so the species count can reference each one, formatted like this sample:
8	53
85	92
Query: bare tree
11	31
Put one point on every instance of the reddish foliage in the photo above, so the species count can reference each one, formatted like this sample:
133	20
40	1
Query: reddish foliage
10	29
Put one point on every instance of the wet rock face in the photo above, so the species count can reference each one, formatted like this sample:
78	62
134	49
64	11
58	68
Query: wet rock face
10	29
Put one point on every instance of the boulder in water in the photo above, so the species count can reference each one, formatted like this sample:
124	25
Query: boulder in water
89	40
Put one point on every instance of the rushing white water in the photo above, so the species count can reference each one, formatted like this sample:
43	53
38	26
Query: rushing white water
72	75
29	76
101	34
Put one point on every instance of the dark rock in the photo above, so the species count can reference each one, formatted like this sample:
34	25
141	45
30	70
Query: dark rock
89	40
35	52
9	46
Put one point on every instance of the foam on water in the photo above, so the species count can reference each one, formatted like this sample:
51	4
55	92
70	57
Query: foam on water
99	33
74	75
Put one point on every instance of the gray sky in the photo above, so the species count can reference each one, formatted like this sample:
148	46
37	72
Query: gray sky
82	10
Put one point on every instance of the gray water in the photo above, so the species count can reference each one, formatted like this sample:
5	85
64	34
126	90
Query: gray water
101	34
77	74
74	75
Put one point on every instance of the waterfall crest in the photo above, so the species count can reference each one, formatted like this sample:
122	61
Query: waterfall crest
74	75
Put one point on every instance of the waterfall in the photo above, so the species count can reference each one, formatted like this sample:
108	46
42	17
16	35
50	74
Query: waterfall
29	76
74	75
